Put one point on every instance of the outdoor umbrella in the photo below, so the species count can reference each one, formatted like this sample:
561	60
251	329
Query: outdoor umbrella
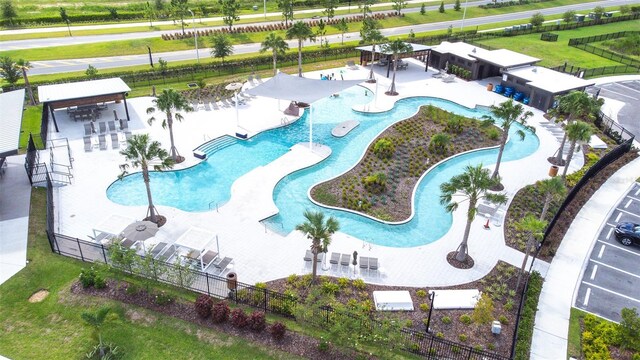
140	231
235	86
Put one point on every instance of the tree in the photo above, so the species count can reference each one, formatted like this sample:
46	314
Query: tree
179	8
8	70
537	19
571	106
300	31
96	321
201	85
398	5
629	329
319	232
24	66
624	9
286	6
457	6
150	13
534	231
8	11
159	5
330	8
168	102
508	113
162	66
483	311
121	259
552	189
577	132
65	19
439	143
204	12
114	13
343	27
472	185
568	16
423	9
396	47
372	36
140	152
91	71
230	9
598	11
277	45
221	46
321	31
441	8
366	8
149	269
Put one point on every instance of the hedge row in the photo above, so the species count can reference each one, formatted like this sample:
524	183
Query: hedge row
528	317
494	5
73	18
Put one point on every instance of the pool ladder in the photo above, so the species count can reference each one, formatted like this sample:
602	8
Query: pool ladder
216	203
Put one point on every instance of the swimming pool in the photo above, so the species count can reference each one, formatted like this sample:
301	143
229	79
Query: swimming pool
209	183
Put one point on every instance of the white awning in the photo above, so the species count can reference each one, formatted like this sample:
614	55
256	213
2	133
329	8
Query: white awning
82	89
195	239
379	48
11	104
289	87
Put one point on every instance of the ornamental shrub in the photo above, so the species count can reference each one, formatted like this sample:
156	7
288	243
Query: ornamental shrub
203	306
257	321
465	319
220	312
278	330
384	148
421	293
239	318
446	320
376	183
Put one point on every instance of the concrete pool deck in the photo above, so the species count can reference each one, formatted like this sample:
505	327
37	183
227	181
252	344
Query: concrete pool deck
262	254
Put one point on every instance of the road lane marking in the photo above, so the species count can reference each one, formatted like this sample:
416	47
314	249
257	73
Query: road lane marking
616	269
626	212
601	251
621	248
637	192
586	297
628	203
612	292
65	62
593	272
621	94
634	198
628	87
41	64
609	234
619	216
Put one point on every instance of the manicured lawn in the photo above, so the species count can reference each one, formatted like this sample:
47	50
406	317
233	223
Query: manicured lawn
557	53
574	346
52	329
31	119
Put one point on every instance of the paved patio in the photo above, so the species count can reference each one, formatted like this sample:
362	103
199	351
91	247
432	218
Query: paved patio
261	254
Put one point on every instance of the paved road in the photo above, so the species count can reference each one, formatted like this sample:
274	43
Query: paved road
611	281
59	66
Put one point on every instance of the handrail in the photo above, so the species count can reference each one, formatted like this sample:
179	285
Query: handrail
217	209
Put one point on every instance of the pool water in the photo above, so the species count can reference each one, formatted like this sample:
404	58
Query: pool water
209	183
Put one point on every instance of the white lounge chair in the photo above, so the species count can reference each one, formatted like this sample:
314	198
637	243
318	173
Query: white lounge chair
208	258
88	146
222	265
115	142
102	138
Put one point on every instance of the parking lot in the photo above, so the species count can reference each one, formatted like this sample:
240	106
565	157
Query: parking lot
611	280
627	92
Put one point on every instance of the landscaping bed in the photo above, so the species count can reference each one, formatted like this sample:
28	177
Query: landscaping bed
381	184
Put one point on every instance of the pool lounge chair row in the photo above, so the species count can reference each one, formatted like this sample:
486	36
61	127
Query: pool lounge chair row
102	141
163	251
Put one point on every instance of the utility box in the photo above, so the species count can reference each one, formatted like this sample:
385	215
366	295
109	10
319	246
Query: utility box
496	328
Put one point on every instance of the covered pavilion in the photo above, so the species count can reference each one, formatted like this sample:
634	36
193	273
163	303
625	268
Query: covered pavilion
81	94
418	51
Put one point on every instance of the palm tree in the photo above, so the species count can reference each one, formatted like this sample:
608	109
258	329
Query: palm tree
300	31
396	47
553	189
319	232
439	143
24	66
571	106
473	185
508	113
277	45
168	102
577	132
96	321
373	36
221	46
534	229
140	151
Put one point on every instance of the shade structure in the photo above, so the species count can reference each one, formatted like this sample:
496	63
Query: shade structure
235	86
140	230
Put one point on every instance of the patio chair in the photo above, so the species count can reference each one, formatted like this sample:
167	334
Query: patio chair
351	65
383	62
364	262
214	105
207	107
225	103
167	253
115	142
207	259
127	135
88	146
102	139
373	263
87	130
112	126
308	256
449	78
345	260
157	249
335	258
124	124
222	265
103	127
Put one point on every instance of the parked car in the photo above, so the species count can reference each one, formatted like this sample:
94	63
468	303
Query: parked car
628	233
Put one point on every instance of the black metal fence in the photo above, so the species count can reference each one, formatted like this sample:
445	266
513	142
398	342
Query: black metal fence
583	44
600	71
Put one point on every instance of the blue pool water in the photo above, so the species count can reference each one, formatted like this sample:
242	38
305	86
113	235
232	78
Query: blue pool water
209	183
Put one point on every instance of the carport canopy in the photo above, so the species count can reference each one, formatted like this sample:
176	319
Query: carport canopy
11	104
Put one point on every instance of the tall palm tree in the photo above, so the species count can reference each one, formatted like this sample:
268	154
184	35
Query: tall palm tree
24	66
572	106
96	321
473	185
396	47
319	232
553	189
374	37
277	45
140	152
507	114
300	31
534	229
168	102
577	132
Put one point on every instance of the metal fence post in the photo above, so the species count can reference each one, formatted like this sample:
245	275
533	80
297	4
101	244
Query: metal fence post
207	278
104	253
80	249
265	299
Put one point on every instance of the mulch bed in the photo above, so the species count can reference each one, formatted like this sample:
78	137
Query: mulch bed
466	264
293	342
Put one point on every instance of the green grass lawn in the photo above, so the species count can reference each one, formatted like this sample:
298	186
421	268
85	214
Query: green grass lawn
574	346
557	53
